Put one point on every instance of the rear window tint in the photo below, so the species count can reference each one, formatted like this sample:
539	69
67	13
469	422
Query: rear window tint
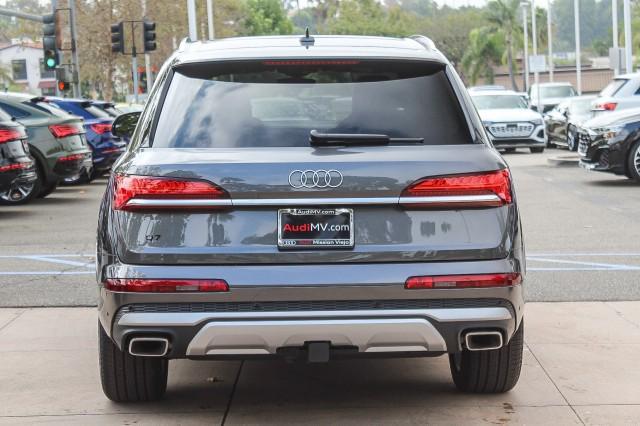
277	103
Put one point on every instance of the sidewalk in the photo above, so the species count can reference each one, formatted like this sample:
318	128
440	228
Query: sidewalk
580	366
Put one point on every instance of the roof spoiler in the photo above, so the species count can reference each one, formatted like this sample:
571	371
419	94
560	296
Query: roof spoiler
425	41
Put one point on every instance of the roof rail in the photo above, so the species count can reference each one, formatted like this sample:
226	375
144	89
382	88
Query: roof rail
425	41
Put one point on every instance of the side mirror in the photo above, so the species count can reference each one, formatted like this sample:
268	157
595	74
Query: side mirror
124	125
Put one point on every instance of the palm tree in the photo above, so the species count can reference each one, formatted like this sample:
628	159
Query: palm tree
502	16
483	52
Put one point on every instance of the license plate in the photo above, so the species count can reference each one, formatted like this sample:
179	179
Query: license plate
315	228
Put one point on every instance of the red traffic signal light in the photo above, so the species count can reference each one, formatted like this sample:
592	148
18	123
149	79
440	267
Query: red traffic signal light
63	86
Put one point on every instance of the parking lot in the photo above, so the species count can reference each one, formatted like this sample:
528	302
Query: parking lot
581	236
580	227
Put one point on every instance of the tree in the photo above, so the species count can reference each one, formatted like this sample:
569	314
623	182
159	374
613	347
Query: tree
266	17
369	17
502	16
484	52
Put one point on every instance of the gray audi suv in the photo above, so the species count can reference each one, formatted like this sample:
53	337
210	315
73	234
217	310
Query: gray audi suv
308	199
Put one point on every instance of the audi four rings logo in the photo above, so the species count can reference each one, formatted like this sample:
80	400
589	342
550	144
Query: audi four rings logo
315	178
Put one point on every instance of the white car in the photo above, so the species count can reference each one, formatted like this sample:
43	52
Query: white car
509	122
551	94
621	93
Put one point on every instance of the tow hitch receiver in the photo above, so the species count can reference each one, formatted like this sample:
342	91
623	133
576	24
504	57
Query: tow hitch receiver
318	351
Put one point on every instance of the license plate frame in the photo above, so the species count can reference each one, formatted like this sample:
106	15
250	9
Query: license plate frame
342	239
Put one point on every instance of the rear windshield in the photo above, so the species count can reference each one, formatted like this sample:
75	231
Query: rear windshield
613	87
96	111
277	103
47	107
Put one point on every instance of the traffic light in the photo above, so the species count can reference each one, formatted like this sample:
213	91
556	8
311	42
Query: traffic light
63	76
117	38
49	42
149	36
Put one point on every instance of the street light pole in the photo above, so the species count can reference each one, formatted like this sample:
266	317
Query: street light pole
614	17
191	17
525	60
549	40
534	37
576	14
627	37
210	19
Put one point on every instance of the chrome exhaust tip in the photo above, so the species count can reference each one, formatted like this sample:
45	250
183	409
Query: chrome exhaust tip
483	340
149	346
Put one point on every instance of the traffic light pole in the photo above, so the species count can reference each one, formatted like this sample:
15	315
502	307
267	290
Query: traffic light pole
74	49
134	61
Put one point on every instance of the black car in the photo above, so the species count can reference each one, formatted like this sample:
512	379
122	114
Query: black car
611	143
17	169
563	120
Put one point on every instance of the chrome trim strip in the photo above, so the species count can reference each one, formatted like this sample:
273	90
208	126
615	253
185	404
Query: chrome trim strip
190	319
332	201
369	335
449	199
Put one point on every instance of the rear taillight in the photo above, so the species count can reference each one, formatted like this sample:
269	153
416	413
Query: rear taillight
606	106
8	135
101	128
463	281
165	285
70	158
490	189
137	193
64	130
15	166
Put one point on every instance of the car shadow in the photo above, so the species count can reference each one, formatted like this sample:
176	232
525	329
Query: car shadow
11	212
618	183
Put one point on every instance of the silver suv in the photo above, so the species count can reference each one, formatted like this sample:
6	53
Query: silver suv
308	198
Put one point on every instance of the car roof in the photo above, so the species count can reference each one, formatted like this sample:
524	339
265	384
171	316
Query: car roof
628	76
20	97
556	83
495	93
324	46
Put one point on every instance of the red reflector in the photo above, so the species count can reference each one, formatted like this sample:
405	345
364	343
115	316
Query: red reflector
496	183
463	281
72	157
64	130
299	62
606	106
112	150
128	188
15	166
165	285
8	135
101	128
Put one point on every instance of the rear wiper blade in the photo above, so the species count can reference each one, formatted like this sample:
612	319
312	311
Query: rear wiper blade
356	139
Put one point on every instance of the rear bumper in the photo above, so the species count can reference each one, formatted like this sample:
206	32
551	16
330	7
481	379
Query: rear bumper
369	317
220	334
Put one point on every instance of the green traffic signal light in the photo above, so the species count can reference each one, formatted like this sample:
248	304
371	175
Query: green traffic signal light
51	63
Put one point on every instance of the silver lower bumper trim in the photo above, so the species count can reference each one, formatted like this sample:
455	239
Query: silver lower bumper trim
244	333
265	337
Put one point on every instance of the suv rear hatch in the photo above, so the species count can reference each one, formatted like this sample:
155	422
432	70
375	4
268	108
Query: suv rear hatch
312	135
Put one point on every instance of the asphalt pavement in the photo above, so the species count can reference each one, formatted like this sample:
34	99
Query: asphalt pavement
581	232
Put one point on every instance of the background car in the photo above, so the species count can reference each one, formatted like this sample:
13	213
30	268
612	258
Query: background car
622	92
105	147
17	169
562	121
551	94
56	140
508	120
108	107
611	143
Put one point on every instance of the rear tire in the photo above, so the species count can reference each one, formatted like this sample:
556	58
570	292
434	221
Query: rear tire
128	378
495	371
536	150
633	162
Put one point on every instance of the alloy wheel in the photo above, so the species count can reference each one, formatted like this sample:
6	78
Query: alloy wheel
636	159
17	192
